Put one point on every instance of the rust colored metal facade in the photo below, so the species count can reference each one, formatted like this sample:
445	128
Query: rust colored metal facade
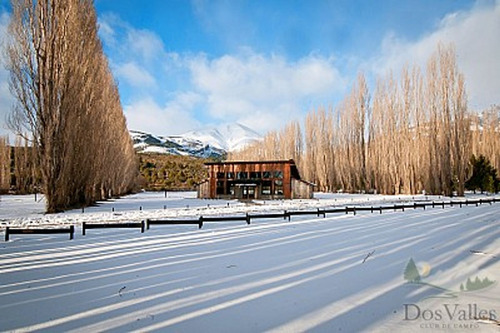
254	180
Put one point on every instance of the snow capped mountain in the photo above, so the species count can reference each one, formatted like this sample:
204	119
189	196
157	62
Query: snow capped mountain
206	142
228	137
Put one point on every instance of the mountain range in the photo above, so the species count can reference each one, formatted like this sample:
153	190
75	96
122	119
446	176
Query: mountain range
214	142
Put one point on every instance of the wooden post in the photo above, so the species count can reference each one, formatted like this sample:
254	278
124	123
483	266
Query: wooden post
83	228
71	231
7	234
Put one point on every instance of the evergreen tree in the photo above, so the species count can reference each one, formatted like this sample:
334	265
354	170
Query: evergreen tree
411	272
468	284
484	176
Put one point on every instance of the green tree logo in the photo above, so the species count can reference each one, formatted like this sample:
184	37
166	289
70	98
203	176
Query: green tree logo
411	273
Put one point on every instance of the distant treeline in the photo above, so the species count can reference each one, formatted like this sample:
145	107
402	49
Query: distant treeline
416	134
18	172
20	175
169	172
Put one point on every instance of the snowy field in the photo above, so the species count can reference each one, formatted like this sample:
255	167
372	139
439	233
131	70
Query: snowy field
342	273
24	211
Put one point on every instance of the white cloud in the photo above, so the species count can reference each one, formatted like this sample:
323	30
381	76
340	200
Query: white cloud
145	43
261	91
174	118
264	91
476	36
135	75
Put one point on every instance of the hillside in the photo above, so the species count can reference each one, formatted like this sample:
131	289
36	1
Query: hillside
170	172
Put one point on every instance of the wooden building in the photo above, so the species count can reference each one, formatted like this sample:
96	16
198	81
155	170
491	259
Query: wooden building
254	180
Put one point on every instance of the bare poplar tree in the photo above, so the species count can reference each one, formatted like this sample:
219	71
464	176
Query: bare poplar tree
68	101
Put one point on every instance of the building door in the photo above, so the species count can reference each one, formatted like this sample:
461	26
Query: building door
248	192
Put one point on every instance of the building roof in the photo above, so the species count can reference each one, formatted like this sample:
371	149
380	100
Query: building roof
293	166
290	161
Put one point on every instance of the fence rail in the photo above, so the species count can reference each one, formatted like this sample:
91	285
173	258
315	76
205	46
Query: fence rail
286	215
150	222
21	231
86	226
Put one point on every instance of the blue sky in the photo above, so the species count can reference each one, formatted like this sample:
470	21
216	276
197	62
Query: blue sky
185	64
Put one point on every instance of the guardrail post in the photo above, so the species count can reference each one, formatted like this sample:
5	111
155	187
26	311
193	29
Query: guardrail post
433	204
371	209
7	234
71	231
147	224
143	226
83	228
380	209
200	224
443	204
247	218
354	210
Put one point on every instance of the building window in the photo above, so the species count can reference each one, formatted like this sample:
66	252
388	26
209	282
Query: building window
267	174
266	188
255	175
248	191
242	175
278	174
230	175
278	187
220	175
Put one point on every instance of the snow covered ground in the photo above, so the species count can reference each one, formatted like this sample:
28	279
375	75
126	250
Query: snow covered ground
342	273
24	211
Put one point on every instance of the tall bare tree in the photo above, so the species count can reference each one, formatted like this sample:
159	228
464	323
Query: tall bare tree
68	101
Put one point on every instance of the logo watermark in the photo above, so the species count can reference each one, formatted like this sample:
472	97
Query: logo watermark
451	314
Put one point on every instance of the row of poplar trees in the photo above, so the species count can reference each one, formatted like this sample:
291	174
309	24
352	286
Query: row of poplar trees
68	101
416	134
